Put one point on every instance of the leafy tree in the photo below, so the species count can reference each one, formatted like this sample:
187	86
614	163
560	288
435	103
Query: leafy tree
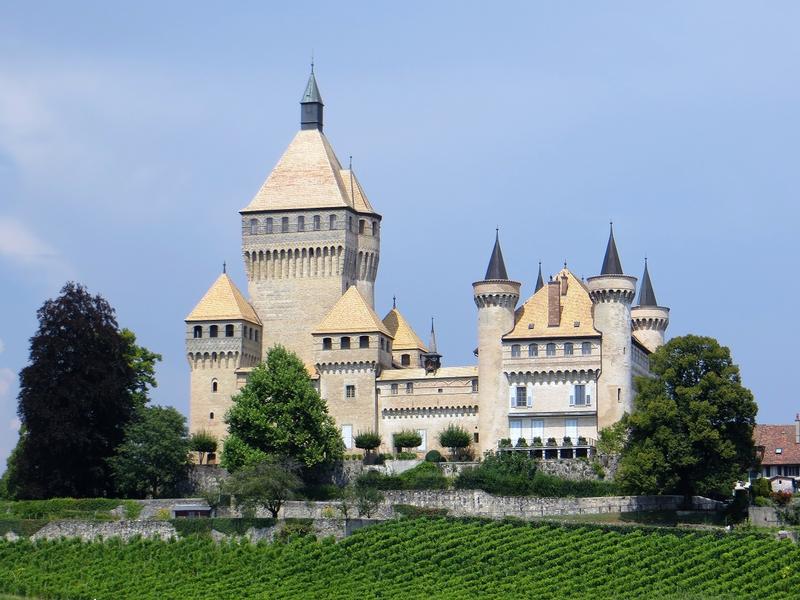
692	428
267	484
368	500
279	415
456	438
611	439
153	458
82	387
204	443
367	440
407	438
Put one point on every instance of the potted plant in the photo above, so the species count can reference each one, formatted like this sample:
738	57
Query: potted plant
582	441
522	443
505	443
567	441
551	441
537	442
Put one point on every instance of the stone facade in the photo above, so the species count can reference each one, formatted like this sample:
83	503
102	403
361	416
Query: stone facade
559	364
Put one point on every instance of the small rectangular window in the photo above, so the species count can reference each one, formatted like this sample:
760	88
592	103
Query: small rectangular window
522	396
344	343
586	348
409	388
394	389
269	225
301	223
332	222
327	343
551	349
568	349
579	395
361	225
515	350
228	330
363	341
316	223
533	350
284	224
474	386
350	391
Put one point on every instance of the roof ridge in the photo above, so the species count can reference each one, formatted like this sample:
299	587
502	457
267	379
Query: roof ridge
351	314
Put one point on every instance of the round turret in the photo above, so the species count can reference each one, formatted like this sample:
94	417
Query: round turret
648	319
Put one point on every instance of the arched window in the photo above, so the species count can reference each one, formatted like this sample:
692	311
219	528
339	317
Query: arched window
269	224
214	387
551	349
586	348
211	416
327	343
316	223
213	331
374	228
361	225
198	331
533	349
284	224
253	226
405	360
301	223
363	341
228	330
344	343
568	349
515	350
332	222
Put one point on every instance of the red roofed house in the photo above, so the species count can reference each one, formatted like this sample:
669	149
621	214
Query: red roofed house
778	449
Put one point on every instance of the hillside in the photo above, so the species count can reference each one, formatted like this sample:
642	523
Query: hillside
415	558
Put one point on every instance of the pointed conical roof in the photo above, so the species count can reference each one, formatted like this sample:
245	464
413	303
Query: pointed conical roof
647	297
611	262
432	344
223	301
497	266
355	193
351	314
405	338
311	95
539	280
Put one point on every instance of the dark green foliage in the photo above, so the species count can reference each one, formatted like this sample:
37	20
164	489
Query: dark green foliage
264	484
736	511
456	438
413	512
62	508
434	456
407	438
294	528
153	458
425	476
505	443
611	439
204	443
522	442
692	428
761	487
415	558
82	387
537	442
21	527
367	440
280	415
202	527
551	441
367	500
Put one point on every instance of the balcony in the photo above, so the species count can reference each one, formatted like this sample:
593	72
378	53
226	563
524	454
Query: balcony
552	449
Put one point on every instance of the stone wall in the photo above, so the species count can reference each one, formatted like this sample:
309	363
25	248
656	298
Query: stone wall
94	530
763	516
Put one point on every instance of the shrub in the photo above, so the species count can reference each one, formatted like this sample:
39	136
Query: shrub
294	528
505	443
762	487
455	437
567	440
406	455
537	442
204	443
434	456
522	443
762	501
582	441
598	469
425	476
781	498
406	510
551	441
367	440
368	500
407	438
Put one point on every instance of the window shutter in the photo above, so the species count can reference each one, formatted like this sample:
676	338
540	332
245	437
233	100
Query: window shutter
512	395
572	397
588	394
530	395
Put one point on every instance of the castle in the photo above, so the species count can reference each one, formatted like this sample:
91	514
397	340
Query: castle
559	365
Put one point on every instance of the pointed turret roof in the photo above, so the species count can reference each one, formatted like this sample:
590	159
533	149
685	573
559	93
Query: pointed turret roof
351	314
432	343
405	338
611	262
355	193
311	95
647	297
497	266
223	301
539	280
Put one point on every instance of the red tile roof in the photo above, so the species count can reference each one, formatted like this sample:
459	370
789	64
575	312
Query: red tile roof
772	437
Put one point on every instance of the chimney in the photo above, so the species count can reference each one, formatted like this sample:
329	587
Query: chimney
553	304
564	284
797	428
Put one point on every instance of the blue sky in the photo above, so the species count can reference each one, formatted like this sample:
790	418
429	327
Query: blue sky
130	136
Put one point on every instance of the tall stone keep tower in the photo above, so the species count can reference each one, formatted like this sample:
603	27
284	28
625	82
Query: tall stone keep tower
496	297
612	294
307	236
223	339
650	320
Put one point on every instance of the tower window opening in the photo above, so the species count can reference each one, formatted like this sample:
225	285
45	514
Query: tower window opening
350	391
316	223
211	416
332	222
361	225
515	350
256	335
619	394
213	331
228	330
405	360
344	343
363	341
521	399
301	223
374	228
250	333
474	386
284	224
214	386
350	223
198	331
394	389
551	349
568	348
410	387
327	343
586	348
253	226
269	225
533	349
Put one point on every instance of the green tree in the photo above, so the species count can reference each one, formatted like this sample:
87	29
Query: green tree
691	431
407	438
80	390
267	484
153	458
456	438
279	415
367	441
204	443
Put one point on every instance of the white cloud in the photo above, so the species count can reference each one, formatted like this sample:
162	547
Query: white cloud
22	248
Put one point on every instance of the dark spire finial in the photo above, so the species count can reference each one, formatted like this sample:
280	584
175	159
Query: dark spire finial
224	267
539	279
432	344
394	301
647	297
611	262
497	267
311	104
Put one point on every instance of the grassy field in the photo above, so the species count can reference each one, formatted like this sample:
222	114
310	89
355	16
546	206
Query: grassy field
416	558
